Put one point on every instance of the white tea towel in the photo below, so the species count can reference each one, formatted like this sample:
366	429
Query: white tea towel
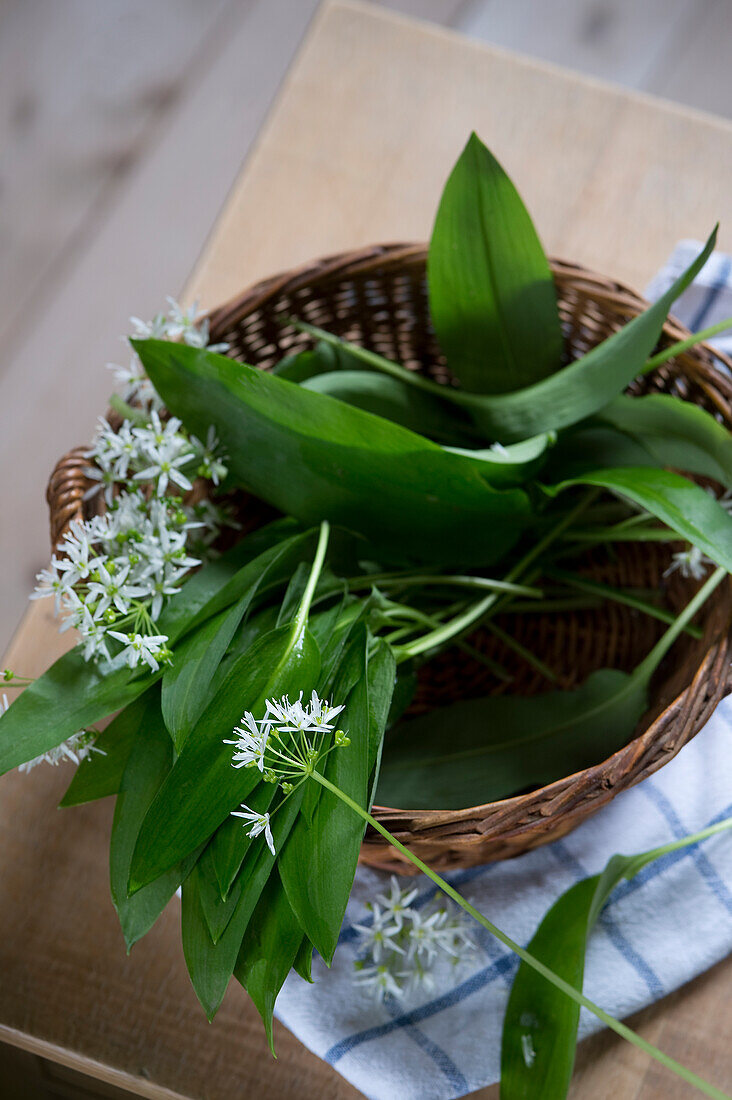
670	923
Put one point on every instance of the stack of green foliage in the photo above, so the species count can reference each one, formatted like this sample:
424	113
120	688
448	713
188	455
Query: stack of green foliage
448	505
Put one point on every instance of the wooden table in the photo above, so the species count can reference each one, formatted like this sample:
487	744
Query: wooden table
369	122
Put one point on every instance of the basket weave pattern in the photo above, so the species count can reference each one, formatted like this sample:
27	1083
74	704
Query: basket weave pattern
377	297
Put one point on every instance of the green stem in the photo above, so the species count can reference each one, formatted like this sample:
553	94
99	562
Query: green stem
307	597
607	592
523	954
128	412
625	534
570	603
448	580
371	358
525	654
664	643
477	611
684	345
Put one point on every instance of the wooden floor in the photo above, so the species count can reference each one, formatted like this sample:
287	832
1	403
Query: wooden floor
123	124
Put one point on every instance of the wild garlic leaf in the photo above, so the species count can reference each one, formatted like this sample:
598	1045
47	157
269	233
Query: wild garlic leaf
149	762
71	695
225	579
230	843
381	678
396	401
679	503
488	275
540	1026
187	681
675	433
481	750
210	964
312	362
272	945
303	964
314	457
512	465
572	394
203	787
100	773
352	616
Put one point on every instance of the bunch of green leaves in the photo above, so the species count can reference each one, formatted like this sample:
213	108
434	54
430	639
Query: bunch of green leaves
438	491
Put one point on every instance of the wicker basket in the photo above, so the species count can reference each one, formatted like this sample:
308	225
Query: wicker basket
377	297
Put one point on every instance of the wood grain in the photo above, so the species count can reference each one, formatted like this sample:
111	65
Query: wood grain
143	249
619	40
85	89
346	159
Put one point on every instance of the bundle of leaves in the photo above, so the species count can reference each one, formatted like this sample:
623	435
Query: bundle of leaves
411	513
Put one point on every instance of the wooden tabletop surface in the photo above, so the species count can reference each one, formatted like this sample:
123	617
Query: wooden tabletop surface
370	120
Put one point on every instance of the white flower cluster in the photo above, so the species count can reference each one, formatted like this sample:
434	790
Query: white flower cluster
160	456
76	748
178	324
285	745
111	575
400	947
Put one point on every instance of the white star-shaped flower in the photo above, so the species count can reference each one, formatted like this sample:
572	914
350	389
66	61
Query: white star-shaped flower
690	563
251	742
259	824
397	901
140	648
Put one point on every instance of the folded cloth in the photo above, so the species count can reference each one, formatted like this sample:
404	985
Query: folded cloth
667	925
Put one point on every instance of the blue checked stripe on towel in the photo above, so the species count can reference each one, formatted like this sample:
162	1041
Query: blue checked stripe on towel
673	920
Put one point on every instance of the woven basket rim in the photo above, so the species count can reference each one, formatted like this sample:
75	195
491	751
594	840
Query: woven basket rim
713	669
397	253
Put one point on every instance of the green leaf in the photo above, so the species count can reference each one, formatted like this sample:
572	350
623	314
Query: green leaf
482	750
210	964
149	762
187	682
593	445
224	580
540	1025
318	863
203	787
307	364
71	695
675	433
322	359
487	274
314	457
231	843
100	773
574	393
396	401
271	946
512	465
404	690
353	615
303	964
683	506
382	679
